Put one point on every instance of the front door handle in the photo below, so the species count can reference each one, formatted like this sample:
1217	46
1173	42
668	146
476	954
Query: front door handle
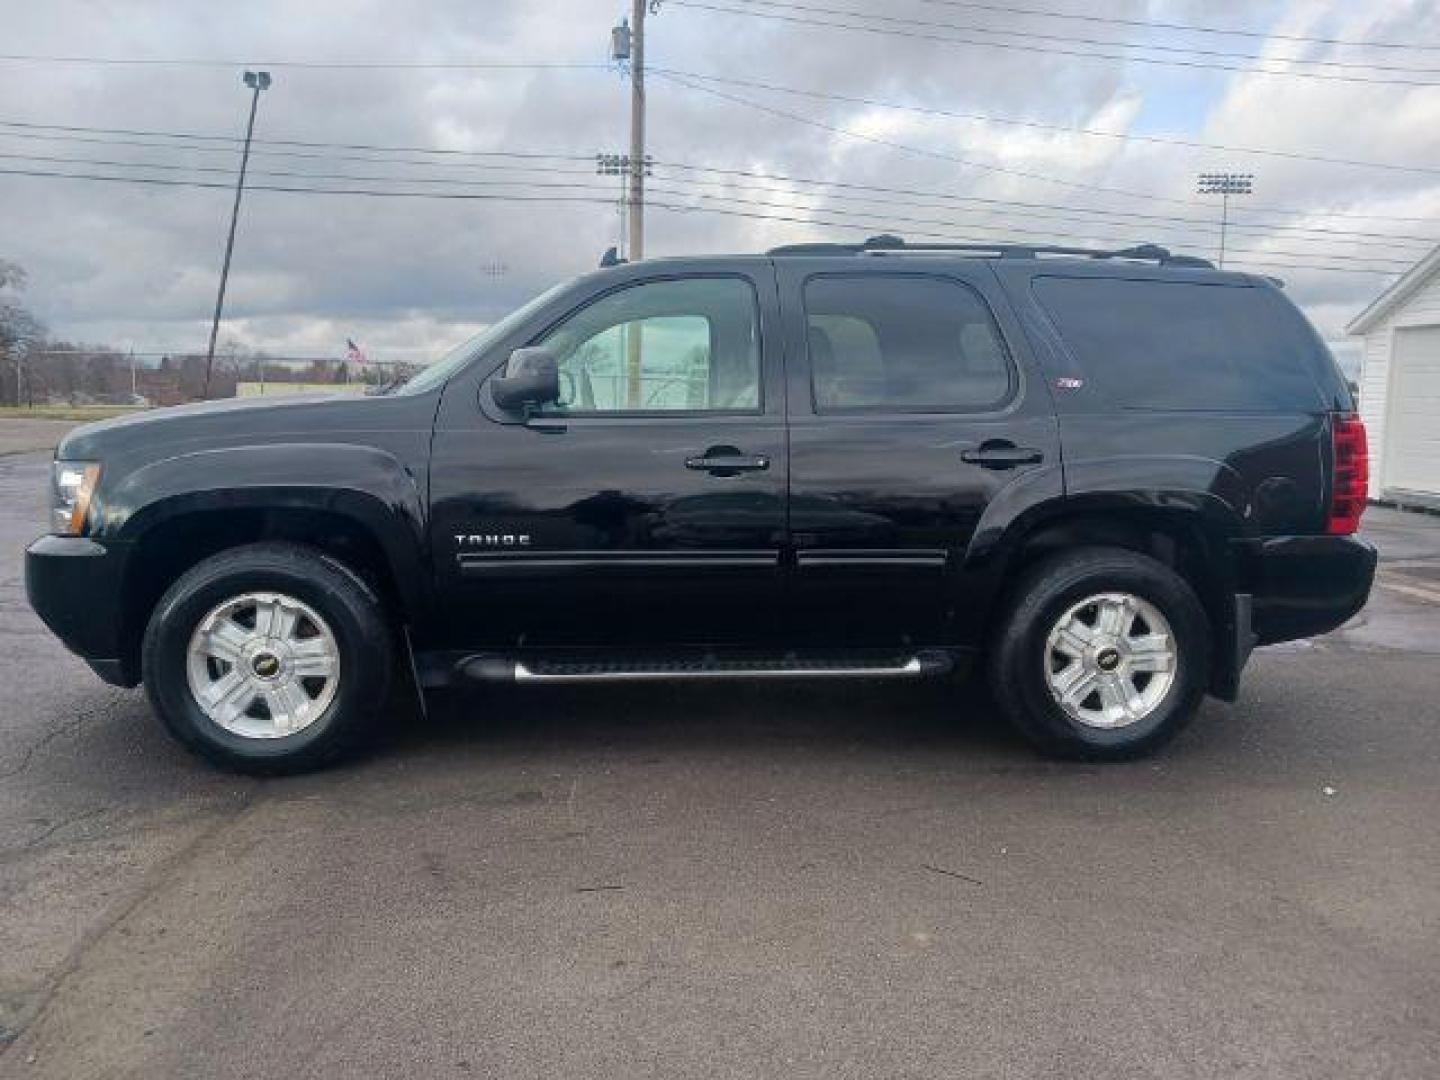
1000	454
727	461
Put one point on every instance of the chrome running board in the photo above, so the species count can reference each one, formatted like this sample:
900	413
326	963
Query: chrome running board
535	671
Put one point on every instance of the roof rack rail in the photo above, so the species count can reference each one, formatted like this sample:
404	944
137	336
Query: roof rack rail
886	244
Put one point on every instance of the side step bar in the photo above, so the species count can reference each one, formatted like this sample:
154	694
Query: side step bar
493	668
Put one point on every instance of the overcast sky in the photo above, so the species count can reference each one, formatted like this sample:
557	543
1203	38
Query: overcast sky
137	265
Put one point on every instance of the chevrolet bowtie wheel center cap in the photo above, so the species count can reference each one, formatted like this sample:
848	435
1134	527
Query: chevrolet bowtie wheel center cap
266	665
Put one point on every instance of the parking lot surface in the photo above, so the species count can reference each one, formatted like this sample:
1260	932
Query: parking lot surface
776	881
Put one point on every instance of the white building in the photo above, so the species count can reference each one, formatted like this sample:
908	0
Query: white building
1400	385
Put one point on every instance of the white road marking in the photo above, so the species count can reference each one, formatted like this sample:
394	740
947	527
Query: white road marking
1409	586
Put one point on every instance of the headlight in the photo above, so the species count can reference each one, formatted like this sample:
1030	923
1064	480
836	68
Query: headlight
71	489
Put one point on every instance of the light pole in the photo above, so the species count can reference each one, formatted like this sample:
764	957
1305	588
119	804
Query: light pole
257	81
1225	184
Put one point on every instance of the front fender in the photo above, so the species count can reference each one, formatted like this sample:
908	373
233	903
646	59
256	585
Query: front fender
368	486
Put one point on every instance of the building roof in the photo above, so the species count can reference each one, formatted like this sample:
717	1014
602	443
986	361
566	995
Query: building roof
1409	283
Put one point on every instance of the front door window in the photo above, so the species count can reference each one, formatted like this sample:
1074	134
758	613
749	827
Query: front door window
664	346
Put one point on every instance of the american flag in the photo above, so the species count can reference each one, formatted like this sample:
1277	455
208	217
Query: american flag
354	354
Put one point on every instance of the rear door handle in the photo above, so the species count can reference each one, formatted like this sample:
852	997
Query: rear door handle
998	454
727	461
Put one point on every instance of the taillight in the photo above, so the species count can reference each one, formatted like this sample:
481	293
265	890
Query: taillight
1351	482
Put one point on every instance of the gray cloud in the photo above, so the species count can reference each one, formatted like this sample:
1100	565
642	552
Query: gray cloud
137	265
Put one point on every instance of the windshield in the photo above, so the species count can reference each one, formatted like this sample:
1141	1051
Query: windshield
439	370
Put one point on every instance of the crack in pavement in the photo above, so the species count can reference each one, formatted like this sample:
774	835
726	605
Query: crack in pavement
85	815
227	817
69	727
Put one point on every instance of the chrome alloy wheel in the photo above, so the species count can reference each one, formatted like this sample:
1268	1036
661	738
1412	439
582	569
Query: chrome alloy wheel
263	665
1110	660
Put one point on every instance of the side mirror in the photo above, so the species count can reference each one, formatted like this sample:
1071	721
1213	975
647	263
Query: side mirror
531	377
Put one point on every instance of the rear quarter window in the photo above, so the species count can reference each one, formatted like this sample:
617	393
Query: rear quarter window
1188	345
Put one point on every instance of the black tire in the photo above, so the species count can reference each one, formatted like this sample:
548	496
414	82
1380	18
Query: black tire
1018	658
336	593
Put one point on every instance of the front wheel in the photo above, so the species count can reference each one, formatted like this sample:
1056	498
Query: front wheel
268	658
1103	653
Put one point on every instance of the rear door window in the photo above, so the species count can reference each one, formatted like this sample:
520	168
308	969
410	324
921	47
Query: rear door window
903	343
1186	346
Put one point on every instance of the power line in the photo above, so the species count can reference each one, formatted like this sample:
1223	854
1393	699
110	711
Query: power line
879	220
499	65
925	152
802	20
196	142
293	190
1071	39
318	65
1042	126
1007	204
799	92
195	136
491	197
1038	212
551	170
491	166
1187	225
293	175
506	65
675	75
1189	28
939	155
948	236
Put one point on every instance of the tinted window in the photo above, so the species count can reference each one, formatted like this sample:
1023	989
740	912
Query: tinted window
1177	345
911	343
661	346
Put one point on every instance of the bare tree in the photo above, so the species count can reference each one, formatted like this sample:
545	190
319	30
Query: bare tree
19	331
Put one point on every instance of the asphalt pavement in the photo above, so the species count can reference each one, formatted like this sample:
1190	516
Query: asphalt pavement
734	881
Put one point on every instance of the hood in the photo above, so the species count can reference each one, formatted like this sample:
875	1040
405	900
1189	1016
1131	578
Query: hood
155	433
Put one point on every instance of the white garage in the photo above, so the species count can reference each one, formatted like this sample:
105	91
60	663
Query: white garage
1400	386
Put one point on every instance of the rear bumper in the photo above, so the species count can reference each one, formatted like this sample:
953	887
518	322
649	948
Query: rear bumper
74	584
1305	585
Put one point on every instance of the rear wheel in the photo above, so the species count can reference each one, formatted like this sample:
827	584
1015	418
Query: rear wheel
268	658
1103	653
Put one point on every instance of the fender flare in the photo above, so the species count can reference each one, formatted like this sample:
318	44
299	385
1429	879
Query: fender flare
1199	489
367	486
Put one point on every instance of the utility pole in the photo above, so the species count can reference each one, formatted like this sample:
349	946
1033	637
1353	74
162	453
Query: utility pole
257	81
637	130
1225	184
636	208
627	43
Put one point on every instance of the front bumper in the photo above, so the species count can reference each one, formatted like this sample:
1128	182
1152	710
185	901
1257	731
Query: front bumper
75	585
1306	585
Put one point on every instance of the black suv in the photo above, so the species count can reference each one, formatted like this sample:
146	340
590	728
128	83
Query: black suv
1106	474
